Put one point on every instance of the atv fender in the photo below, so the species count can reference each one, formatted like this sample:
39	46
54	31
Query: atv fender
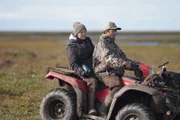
68	79
139	89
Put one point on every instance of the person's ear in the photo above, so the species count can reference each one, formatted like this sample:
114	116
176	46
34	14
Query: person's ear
106	31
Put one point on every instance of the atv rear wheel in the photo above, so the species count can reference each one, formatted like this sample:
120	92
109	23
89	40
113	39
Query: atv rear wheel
135	111
58	104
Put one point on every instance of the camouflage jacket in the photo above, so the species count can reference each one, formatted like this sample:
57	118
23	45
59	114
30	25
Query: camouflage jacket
108	56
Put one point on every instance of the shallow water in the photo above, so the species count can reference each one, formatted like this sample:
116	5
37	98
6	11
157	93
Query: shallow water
137	43
148	43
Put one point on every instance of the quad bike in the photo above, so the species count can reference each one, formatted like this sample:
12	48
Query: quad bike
146	97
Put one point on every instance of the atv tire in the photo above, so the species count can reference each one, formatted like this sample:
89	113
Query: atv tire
58	104
135	111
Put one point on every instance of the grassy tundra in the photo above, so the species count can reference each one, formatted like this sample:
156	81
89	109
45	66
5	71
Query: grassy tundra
23	63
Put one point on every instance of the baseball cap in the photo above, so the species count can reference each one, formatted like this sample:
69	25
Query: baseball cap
111	25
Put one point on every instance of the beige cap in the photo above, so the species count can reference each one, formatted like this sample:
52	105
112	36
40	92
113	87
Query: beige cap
78	28
112	26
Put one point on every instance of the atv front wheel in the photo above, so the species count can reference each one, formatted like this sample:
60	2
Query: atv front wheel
58	104
135	111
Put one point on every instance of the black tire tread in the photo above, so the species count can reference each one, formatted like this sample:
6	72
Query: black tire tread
67	95
148	115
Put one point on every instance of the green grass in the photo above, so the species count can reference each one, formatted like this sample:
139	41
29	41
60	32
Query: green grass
22	72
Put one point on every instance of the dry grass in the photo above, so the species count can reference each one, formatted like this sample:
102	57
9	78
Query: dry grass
22	71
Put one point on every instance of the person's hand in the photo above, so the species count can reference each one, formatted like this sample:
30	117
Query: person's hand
137	71
127	64
135	65
85	73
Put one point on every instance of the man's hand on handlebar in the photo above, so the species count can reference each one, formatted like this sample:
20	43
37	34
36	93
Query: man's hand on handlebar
137	71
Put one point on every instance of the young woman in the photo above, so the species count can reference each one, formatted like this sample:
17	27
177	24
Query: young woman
79	52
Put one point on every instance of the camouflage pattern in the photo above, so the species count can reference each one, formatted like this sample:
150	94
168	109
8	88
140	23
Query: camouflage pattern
108	57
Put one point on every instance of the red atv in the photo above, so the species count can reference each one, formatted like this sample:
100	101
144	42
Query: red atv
145	98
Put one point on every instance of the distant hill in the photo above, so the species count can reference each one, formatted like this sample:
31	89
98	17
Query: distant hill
131	35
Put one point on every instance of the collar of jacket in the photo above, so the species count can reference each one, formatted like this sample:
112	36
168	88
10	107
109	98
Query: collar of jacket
77	41
105	37
72	39
71	36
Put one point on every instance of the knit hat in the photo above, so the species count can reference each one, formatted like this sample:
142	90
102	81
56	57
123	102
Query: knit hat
78	28
112	26
76	23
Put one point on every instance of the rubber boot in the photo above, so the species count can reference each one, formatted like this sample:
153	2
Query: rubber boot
91	96
103	110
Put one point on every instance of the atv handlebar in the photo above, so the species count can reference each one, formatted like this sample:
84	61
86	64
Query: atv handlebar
163	64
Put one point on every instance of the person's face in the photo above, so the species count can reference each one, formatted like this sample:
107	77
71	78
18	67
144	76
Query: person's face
111	33
82	35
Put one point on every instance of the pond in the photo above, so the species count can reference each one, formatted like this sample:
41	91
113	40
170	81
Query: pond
144	43
136	43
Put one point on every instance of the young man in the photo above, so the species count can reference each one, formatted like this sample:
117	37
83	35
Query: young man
109	62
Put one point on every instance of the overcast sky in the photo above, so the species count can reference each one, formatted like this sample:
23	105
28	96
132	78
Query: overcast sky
59	15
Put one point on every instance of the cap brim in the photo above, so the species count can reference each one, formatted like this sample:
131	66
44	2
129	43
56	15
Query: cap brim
118	28
115	28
